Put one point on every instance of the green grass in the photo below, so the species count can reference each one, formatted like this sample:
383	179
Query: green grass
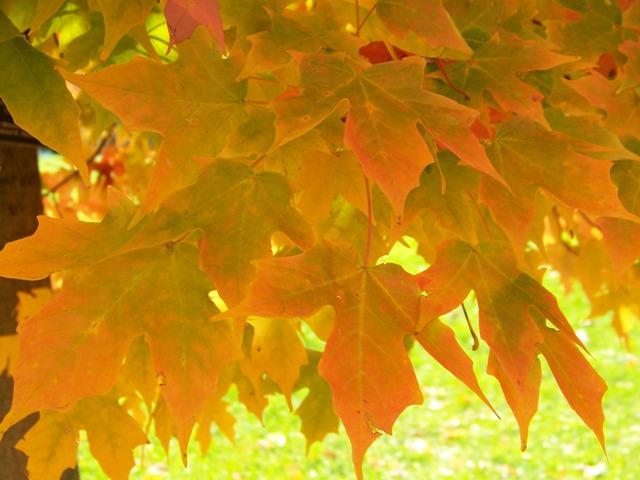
452	435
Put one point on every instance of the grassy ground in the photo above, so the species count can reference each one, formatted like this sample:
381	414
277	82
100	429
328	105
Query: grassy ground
452	435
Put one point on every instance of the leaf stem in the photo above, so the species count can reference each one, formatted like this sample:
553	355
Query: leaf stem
364	20
369	223
258	160
476	342
440	64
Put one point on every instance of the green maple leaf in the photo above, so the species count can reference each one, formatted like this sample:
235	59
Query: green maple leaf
497	66
238	211
37	98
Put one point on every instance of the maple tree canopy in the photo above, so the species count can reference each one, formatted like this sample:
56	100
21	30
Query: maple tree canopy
249	163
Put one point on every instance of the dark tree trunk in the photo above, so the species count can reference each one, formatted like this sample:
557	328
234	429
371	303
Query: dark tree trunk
20	202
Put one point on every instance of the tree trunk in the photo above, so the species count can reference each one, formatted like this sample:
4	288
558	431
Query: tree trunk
20	202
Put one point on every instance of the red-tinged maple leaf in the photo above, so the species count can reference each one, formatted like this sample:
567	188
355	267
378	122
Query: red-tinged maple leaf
378	52
507	301
386	102
522	399
238	211
515	215
426	19
38	99
195	103
183	16
528	156
496	67
580	384
440	342
622	108
364	360
158	291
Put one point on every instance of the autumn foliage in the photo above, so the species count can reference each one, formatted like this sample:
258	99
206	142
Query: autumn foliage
265	155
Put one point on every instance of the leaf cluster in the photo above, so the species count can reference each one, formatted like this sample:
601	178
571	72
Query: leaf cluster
251	161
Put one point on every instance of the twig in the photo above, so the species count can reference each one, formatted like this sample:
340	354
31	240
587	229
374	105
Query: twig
476	342
89	160
440	63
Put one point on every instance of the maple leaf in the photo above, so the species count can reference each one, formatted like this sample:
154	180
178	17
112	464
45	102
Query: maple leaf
44	11
445	191
440	342
510	304
335	110
239	211
51	445
631	71
497	66
385	104
526	155
138	369
427	20
622	107
158	291
324	176
84	243
594	30
622	237
214	411
364	360
112	433
37	98
120	17
269	50
581	385
194	104
277	351
316	410
183	16
589	135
